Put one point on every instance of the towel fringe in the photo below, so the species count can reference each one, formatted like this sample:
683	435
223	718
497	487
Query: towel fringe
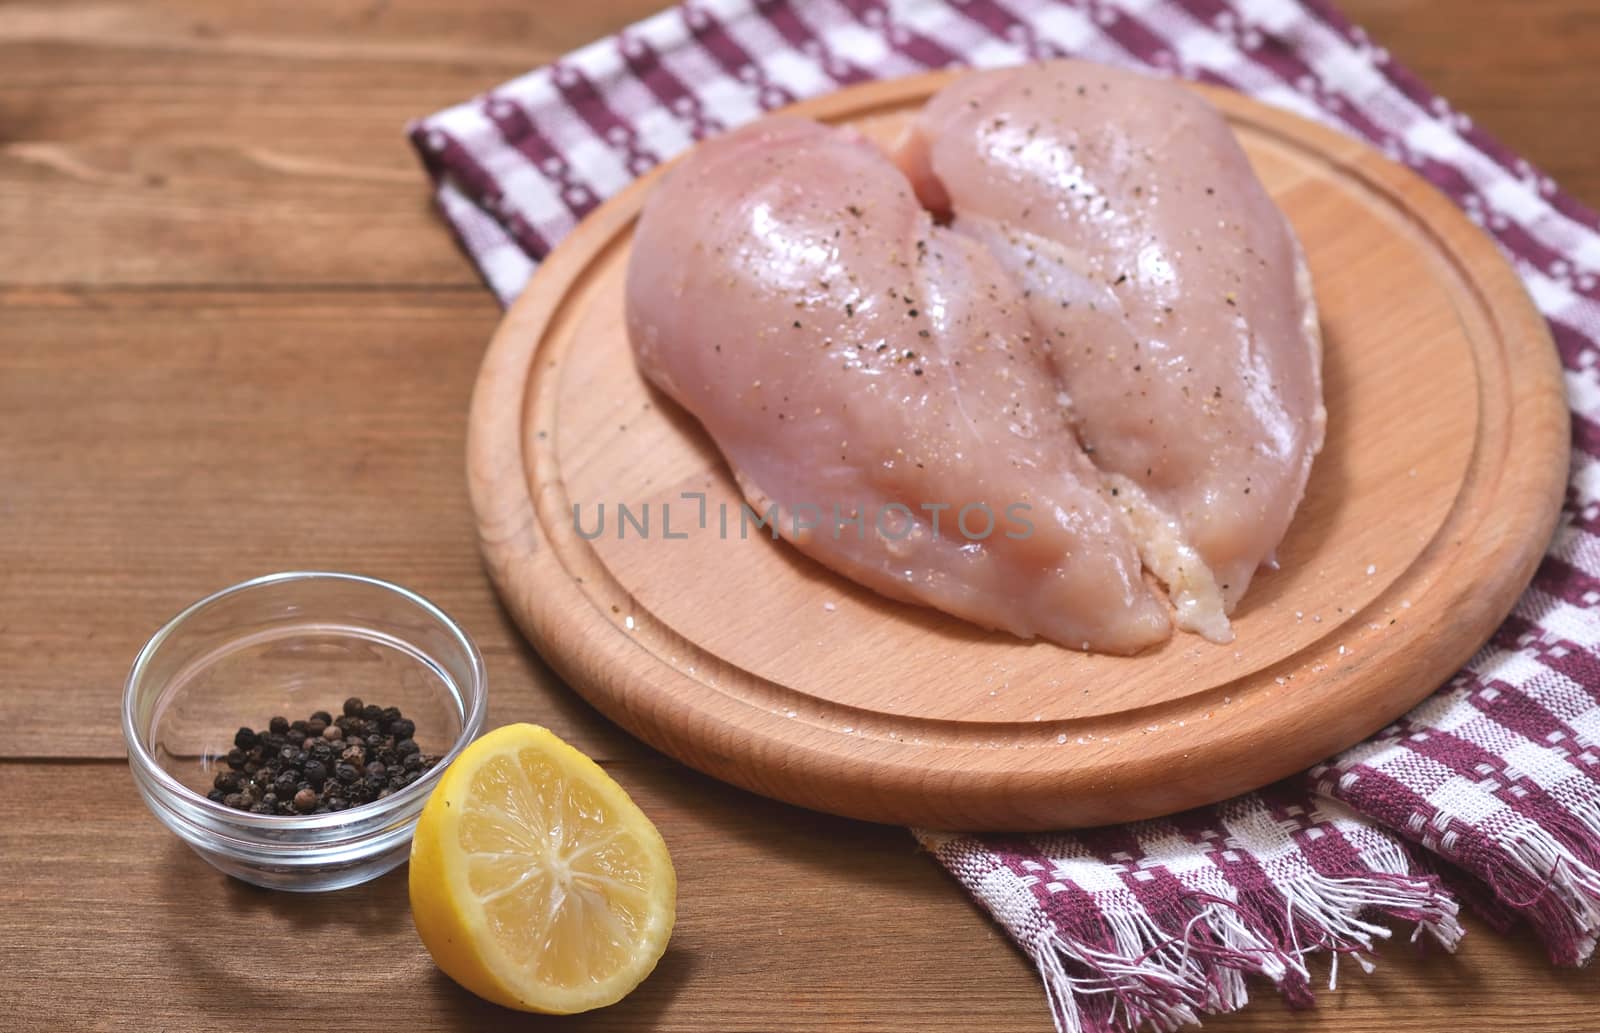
1153	980
1550	875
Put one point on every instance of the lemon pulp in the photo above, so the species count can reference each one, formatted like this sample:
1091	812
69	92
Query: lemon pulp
535	881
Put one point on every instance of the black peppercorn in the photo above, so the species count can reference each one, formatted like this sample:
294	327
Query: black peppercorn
321	764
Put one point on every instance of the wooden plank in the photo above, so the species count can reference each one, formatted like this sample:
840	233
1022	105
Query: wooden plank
159	445
191	142
184	141
1525	71
112	924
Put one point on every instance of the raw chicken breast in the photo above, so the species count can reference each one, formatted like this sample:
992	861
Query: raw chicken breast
848	358
1172	294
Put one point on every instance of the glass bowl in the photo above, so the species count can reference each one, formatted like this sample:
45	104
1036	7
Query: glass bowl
292	644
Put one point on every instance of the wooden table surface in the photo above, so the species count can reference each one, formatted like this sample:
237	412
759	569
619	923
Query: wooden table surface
234	338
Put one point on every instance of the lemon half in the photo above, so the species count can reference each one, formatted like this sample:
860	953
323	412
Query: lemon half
536	882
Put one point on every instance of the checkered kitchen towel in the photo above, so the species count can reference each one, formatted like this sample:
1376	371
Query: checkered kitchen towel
1493	784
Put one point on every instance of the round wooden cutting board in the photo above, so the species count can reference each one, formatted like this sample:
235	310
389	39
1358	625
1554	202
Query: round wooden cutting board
1425	517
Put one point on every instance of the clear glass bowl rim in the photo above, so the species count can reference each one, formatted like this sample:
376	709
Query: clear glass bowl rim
156	778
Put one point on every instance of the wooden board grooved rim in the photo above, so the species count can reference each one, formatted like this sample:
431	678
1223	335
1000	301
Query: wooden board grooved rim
1428	512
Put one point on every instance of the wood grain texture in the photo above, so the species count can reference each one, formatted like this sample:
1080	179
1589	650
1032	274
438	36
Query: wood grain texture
1524	71
790	921
191	142
1426	513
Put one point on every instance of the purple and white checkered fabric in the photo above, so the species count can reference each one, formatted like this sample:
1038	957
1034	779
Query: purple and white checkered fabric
1494	782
